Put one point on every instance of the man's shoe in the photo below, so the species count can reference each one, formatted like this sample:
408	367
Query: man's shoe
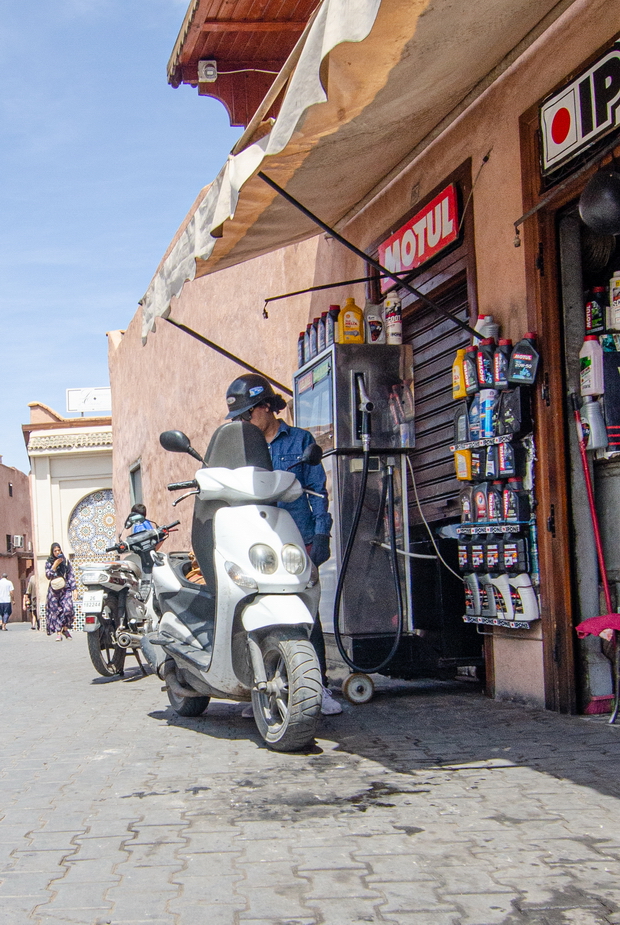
329	706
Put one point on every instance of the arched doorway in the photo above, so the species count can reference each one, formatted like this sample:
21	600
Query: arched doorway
92	528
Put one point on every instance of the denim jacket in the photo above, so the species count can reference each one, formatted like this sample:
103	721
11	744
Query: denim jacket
309	513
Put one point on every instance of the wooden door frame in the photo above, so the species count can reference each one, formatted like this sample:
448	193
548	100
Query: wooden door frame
544	315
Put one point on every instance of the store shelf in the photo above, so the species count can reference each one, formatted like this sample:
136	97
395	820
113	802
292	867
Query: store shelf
495	621
486	528
484	441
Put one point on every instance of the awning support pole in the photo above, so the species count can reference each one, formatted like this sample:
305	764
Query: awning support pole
229	356
370	260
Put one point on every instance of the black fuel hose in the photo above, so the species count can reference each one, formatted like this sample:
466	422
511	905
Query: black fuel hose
393	562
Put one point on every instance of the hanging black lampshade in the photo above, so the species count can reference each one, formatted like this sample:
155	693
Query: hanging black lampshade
599	203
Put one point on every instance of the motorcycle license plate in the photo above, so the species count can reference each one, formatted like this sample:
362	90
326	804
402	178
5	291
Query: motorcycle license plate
92	601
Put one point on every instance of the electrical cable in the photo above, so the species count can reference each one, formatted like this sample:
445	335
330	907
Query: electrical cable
426	524
245	70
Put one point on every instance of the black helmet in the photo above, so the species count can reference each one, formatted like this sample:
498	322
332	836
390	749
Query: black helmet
599	203
248	391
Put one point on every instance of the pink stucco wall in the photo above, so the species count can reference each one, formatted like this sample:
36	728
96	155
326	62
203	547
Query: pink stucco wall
15	520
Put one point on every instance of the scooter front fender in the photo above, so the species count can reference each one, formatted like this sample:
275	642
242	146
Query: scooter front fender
275	610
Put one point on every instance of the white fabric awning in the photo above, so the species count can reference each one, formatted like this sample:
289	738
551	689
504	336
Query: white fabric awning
373	78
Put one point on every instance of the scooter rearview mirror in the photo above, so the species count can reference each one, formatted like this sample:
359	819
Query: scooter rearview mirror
133	519
312	455
175	441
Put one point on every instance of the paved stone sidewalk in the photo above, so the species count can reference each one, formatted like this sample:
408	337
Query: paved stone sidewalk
429	806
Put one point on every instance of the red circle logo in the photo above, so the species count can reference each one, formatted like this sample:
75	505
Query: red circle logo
560	126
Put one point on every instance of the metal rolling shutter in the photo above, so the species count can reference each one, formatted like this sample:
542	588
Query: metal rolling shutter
435	342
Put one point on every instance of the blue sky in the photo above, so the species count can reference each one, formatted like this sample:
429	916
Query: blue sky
100	161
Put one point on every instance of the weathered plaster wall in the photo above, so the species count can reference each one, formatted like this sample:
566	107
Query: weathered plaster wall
176	382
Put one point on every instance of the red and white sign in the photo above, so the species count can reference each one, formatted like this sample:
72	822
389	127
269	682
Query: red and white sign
426	234
581	112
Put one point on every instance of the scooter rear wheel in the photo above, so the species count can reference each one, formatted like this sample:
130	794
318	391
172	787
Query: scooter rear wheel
286	715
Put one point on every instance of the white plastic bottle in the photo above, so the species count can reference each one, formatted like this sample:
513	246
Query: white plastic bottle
613	311
524	600
490	328
592	417
393	319
503	600
375	326
591	366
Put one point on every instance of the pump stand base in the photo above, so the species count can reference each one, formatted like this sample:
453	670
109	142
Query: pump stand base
358	688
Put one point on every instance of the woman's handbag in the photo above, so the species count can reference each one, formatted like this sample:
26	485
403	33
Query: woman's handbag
57	584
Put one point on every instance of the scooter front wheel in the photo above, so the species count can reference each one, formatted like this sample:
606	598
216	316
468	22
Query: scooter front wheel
188	706
287	713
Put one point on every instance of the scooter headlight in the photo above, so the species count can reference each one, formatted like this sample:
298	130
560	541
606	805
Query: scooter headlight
263	558
240	578
293	559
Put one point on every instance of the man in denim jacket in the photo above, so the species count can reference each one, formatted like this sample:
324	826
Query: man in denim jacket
251	398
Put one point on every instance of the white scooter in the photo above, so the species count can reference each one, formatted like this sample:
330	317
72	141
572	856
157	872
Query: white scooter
245	632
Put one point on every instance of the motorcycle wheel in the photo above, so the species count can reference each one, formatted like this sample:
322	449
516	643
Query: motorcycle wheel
188	706
287	716
107	658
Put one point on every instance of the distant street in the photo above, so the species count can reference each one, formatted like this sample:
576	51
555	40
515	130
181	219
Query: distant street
429	806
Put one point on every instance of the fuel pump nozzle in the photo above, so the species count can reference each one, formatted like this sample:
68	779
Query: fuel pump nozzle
366	406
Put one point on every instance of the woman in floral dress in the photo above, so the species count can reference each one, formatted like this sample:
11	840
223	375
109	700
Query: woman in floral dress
59	611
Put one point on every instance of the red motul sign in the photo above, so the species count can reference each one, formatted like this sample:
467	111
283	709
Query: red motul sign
426	234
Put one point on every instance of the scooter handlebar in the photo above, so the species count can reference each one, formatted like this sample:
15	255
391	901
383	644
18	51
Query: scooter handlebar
175	523
178	486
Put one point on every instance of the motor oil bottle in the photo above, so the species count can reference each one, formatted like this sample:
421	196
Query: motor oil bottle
524	361
524	602
307	353
351	323
314	340
474	418
472	595
515	558
489	328
613	312
488	403
493	552
514	412
595	311
487	597
506	464
300	350
477	556
592	417
462	465
484	362
478	457
463	556
461	423
478	327
373	319
465	504
504	608
459	390
501	361
591	366
480	502
321	343
491	462
470	372
393	319
331	325
495	510
516	503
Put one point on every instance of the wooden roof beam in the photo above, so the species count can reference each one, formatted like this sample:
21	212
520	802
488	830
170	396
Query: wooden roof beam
232	25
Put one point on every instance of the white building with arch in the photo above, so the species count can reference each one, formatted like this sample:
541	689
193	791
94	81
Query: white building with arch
71	488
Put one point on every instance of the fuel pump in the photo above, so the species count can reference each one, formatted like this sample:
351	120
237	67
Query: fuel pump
357	400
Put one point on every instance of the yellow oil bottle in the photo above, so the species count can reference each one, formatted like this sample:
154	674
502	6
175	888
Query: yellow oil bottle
351	323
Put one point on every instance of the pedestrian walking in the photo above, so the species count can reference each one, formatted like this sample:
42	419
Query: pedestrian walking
7	599
30	602
60	595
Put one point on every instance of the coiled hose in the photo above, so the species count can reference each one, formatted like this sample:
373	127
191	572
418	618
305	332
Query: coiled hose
394	566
